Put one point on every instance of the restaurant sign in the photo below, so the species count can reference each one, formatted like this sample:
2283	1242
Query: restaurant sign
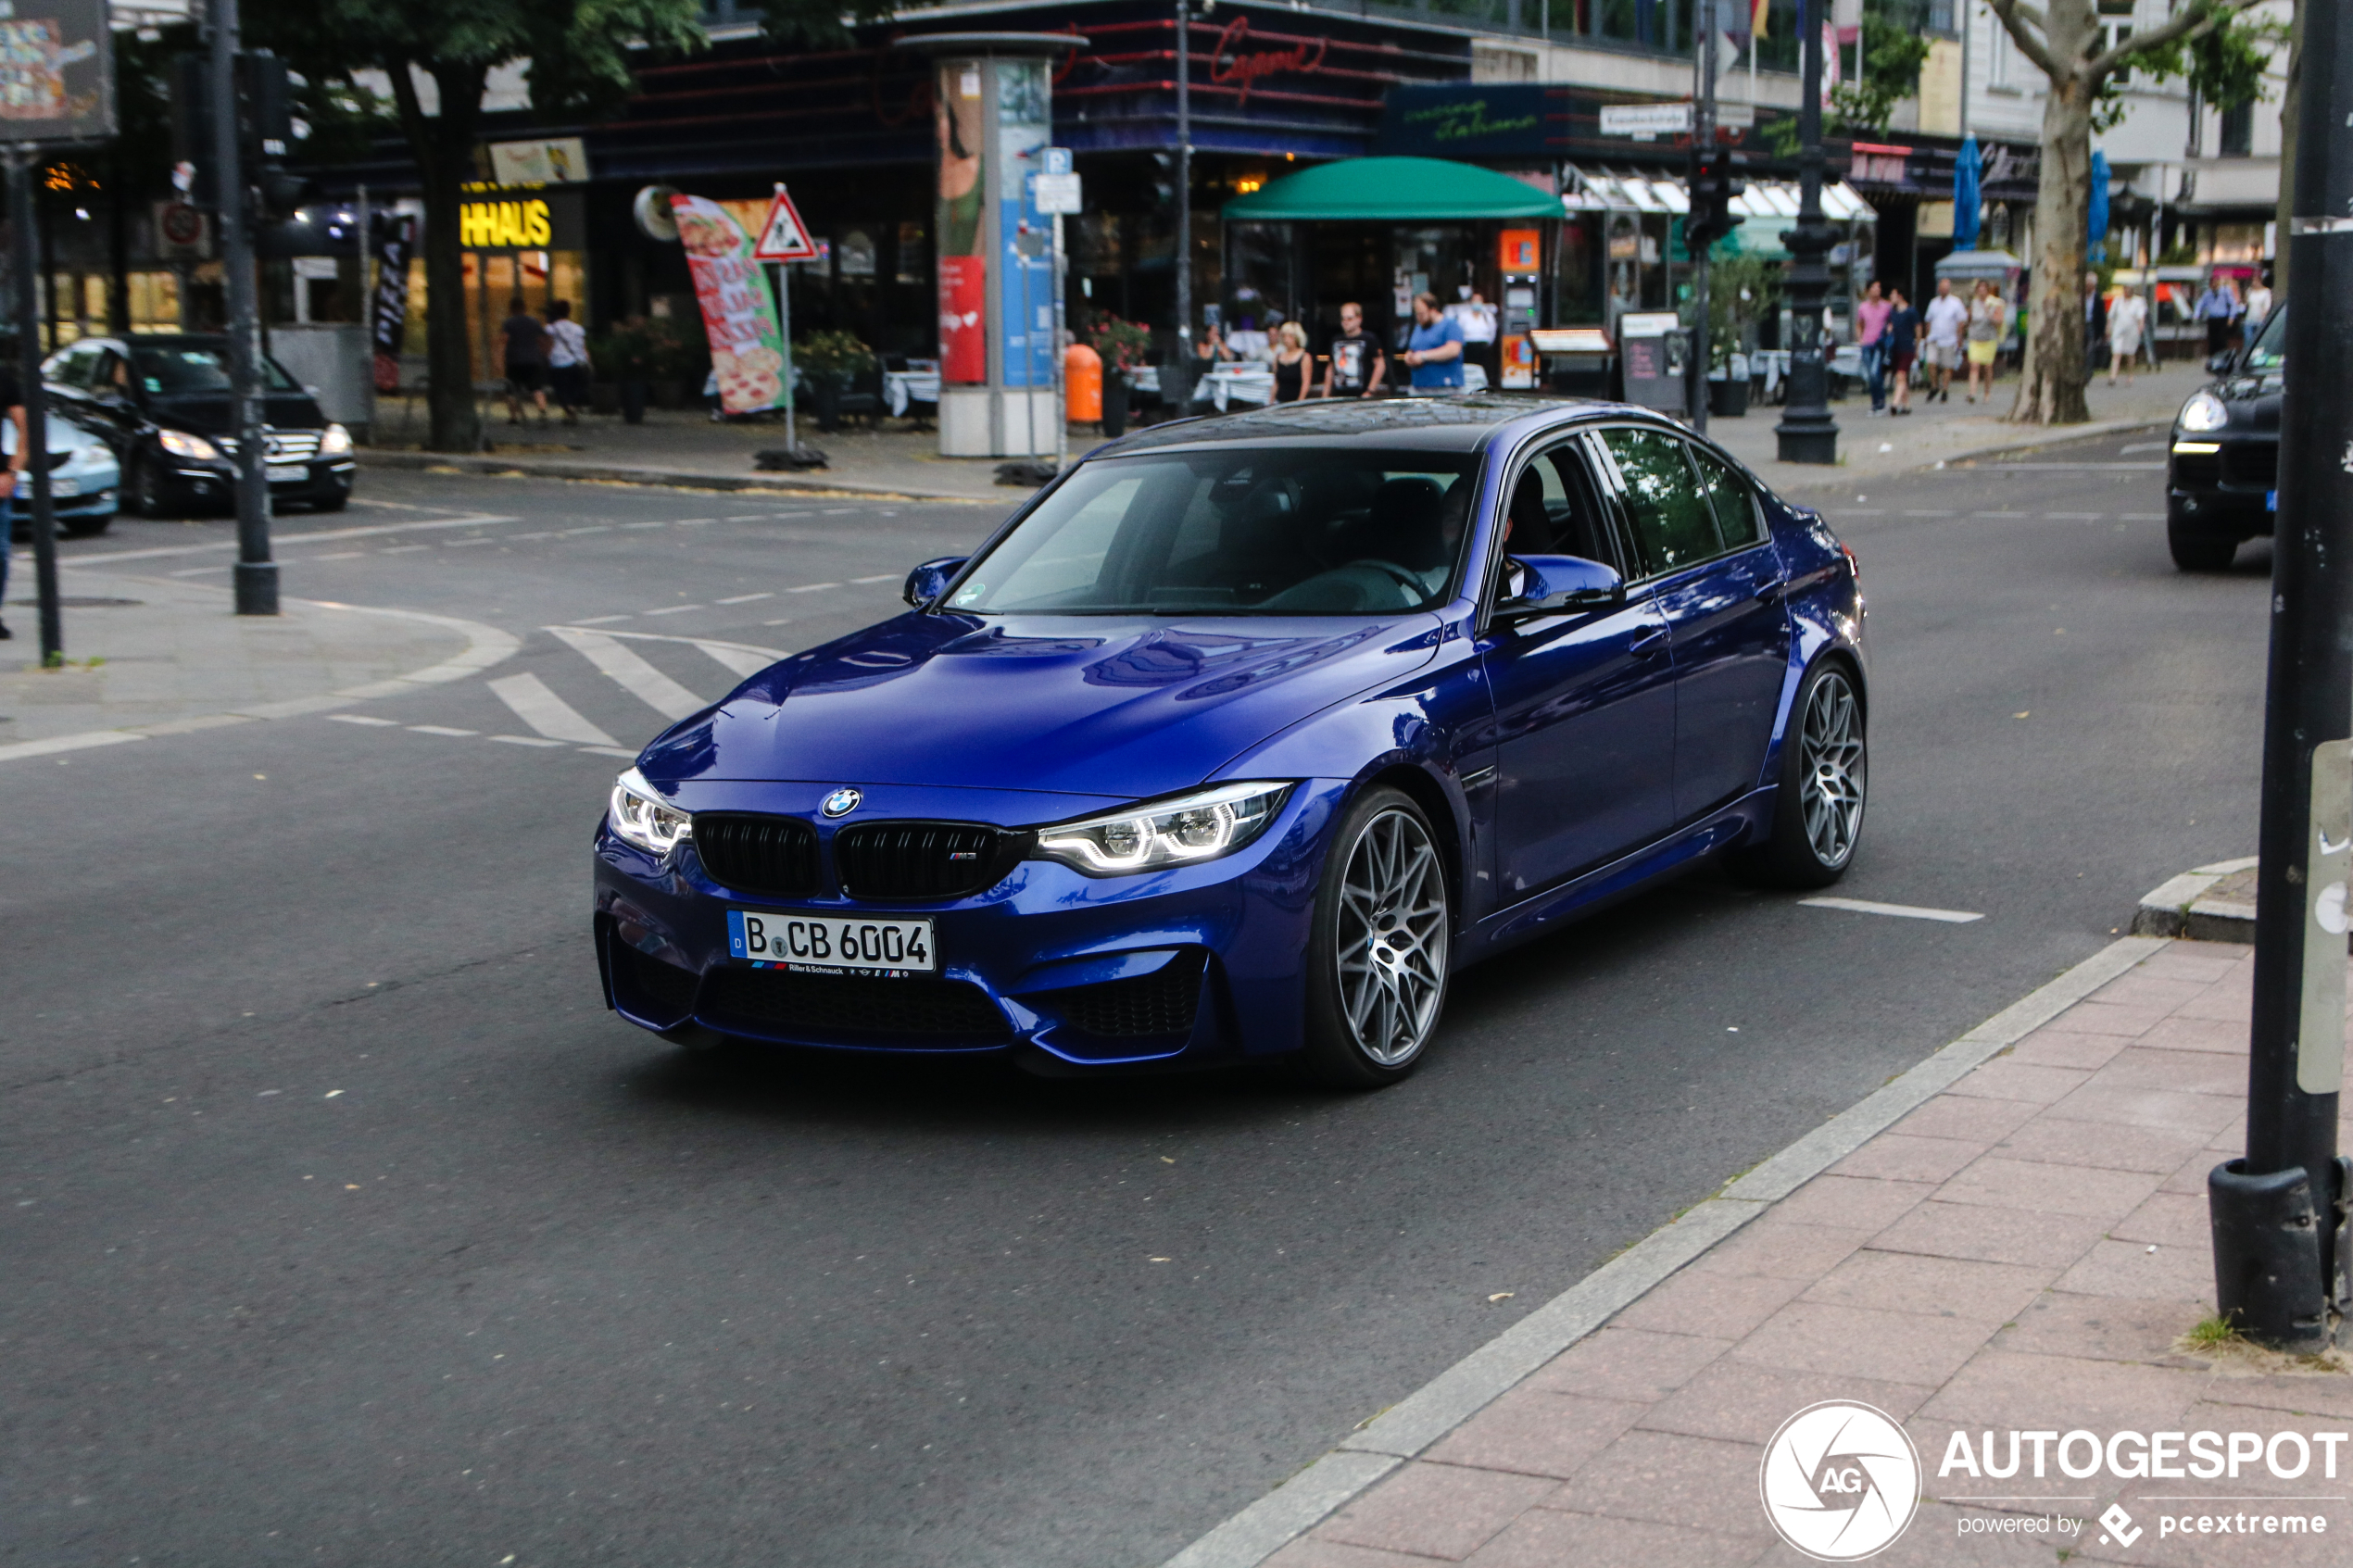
500	219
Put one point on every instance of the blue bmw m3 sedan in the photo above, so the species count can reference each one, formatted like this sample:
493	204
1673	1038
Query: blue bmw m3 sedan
1242	737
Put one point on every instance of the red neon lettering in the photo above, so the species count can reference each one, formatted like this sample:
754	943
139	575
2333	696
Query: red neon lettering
1247	68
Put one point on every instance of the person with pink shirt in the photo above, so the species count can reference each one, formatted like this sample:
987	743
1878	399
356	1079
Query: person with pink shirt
1871	324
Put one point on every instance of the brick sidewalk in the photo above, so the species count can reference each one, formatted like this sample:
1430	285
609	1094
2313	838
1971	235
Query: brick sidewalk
2022	1252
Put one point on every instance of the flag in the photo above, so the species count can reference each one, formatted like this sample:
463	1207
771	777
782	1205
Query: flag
1757	12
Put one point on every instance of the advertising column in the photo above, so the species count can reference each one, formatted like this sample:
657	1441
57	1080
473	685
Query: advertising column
997	346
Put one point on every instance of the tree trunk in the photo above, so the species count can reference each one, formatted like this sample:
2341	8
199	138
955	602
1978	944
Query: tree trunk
442	145
2050	390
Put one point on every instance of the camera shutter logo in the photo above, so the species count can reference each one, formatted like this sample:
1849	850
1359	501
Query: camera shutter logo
1840	1481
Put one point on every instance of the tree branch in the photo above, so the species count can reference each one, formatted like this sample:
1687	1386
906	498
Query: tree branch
413	122
2015	17
2183	27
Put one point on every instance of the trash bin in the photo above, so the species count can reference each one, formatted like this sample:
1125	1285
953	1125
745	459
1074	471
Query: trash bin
1653	349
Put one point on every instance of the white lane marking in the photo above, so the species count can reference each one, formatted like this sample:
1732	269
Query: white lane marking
463	544
633	525
837	512
2076	468
748	516
2142	517
316	536
785	622
401	549
2141	447
200	571
331	555
525	740
546	712
632	673
1902	911
671	609
439	730
744	598
812	587
885	577
795	514
67	743
2002	514
694	522
593	528
603	620
373	723
2074	516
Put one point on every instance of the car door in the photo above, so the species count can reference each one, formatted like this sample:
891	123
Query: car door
1584	706
1719	584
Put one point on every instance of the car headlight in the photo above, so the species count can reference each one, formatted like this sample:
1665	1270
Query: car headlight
2203	411
336	443
179	444
1200	827
641	817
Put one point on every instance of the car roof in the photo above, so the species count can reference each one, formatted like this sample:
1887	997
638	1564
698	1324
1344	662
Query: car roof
1457	423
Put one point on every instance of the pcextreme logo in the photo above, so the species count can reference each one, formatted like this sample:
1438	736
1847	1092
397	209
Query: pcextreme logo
1840	1481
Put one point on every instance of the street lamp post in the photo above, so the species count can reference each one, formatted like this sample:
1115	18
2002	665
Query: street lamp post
1807	433
256	575
1183	248
2282	1240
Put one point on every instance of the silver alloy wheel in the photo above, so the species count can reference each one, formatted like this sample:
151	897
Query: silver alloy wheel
1831	764
1391	939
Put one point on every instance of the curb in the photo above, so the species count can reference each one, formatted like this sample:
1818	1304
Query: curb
2058	435
2183	908
1406	1429
486	645
674	478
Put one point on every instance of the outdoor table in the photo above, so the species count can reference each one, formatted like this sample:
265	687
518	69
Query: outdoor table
919	382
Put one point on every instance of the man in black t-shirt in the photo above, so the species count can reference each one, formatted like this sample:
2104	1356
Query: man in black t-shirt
1357	364
12	401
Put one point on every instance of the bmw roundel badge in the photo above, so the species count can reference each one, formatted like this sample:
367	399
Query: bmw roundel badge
842	802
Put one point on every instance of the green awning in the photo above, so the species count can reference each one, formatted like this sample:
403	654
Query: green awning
1392	190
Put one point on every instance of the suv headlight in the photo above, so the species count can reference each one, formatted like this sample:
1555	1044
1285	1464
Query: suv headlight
179	444
336	443
641	817
2203	411
1200	827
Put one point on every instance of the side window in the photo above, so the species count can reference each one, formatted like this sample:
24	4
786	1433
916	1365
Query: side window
72	367
1728	496
1672	524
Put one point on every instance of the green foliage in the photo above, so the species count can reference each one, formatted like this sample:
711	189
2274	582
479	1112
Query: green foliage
2224	66
1892	55
836	356
1742	290
651	349
2210	1331
819	22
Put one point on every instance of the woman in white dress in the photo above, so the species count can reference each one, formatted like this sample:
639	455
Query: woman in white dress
2127	315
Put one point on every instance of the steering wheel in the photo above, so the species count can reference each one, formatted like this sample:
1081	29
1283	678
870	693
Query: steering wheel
1415	589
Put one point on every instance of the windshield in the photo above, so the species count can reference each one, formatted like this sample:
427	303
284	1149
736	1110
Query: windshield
184	370
1238	530
2269	351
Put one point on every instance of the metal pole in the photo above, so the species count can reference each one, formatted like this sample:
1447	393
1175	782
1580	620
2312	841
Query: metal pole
256	575
2281	1238
1703	138
1184	209
24	168
1062	389
784	335
1807	433
367	317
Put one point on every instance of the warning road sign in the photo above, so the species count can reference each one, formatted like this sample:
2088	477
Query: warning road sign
783	237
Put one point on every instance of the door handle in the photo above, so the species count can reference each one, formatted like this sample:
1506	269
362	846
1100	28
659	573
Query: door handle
1648	645
1769	592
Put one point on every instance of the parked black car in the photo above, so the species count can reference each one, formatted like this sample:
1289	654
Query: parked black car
2222	468
161	401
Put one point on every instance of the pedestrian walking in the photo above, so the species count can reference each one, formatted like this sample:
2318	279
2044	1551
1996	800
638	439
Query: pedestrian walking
1988	317
1870	321
1435	347
2258	304
1294	368
2128	316
526	358
1357	363
12	400
2094	324
567	361
1946	316
1901	342
2216	309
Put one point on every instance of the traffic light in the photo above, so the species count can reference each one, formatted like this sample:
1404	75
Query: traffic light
1163	178
265	124
1714	185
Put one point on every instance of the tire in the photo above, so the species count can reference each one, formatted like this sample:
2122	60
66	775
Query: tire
2194	546
145	492
1376	957
85	527
1817	811
328	504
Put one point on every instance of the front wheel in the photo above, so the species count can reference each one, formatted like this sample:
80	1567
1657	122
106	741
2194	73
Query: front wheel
1817	811
148	497
1377	960
2194	546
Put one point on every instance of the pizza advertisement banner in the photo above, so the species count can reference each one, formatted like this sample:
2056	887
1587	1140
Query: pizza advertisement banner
388	309
738	312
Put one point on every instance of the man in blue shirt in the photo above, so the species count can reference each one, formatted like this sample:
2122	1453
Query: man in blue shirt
1435	349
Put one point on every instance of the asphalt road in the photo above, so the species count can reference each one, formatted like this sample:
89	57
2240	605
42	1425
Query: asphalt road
342	1225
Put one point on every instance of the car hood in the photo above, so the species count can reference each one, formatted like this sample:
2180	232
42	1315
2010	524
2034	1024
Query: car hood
1082	705
214	416
2254	400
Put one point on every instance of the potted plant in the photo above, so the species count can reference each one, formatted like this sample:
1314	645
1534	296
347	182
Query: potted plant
628	353
1124	346
1740	290
829	363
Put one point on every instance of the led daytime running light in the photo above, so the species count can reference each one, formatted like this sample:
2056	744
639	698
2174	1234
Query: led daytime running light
1200	827
638	815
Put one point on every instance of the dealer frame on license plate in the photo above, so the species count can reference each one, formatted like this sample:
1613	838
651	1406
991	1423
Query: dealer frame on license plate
829	944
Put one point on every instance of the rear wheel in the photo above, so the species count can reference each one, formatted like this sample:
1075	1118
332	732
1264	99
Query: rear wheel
328	504
148	497
84	527
1376	959
2195	546
1817	811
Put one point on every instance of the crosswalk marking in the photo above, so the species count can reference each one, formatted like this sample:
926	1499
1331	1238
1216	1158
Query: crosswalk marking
885	577
1902	911
744	659
744	598
546	712
632	673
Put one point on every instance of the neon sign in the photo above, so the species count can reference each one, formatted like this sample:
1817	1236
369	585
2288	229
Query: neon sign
1228	62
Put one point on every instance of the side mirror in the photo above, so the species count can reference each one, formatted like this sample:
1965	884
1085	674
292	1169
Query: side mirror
930	580
2220	364
1560	585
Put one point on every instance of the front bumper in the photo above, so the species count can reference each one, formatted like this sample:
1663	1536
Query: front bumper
2229	489
1061	971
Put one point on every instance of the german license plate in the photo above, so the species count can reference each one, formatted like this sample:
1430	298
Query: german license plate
823	945
283	473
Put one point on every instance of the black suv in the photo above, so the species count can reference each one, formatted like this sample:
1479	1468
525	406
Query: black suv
161	401
2222	465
